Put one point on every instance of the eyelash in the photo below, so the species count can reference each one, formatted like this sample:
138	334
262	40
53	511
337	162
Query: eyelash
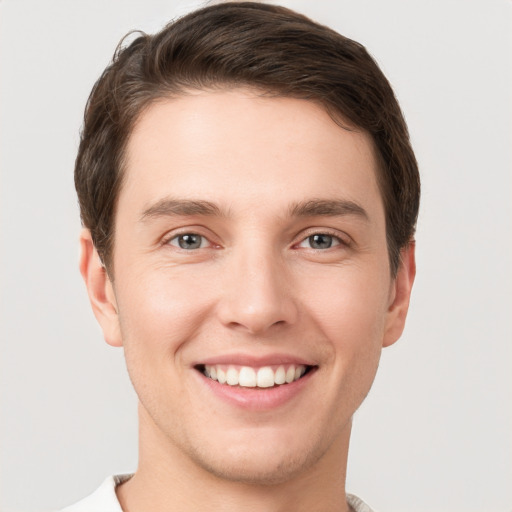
167	240
334	236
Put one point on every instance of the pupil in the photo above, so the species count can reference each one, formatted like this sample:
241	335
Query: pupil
320	241
190	241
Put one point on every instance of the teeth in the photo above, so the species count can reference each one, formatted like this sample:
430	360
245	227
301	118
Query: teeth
232	376
265	377
245	376
280	376
221	375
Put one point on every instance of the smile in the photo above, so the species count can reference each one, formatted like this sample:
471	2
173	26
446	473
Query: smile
250	377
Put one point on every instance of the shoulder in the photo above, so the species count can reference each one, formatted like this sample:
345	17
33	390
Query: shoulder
103	499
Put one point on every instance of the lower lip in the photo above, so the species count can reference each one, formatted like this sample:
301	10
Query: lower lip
257	399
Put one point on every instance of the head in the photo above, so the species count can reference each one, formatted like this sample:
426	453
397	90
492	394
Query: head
268	48
246	177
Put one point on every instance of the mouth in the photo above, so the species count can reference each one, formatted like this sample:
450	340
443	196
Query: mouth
263	377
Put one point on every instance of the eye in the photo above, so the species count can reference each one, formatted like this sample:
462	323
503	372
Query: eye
320	241
189	241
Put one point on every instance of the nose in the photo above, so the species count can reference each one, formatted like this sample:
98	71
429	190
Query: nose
257	294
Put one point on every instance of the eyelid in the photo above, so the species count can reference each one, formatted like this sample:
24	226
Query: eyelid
344	239
188	230
204	240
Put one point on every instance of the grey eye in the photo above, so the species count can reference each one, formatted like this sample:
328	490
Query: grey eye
320	241
188	241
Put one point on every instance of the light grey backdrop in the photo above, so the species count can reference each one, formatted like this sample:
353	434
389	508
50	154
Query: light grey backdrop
435	432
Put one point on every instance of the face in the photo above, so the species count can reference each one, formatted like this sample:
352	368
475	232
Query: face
252	290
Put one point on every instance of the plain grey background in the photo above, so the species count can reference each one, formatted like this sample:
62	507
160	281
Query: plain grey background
435	433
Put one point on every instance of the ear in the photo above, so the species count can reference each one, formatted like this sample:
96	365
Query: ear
100	290
400	295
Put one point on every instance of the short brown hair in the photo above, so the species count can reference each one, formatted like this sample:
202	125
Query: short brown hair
234	44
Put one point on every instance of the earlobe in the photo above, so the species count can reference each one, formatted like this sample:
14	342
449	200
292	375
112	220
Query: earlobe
100	290
402	287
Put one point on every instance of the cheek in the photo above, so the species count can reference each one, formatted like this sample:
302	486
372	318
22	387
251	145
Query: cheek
350	310
160	311
350	304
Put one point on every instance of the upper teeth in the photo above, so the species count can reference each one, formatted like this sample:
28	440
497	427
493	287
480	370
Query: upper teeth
246	376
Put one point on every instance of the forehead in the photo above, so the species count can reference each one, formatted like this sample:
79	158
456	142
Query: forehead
235	145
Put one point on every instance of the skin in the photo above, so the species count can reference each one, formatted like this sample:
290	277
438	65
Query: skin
255	287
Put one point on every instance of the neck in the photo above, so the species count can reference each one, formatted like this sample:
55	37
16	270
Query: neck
168	479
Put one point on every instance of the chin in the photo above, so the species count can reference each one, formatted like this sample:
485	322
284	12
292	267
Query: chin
257	470
259	461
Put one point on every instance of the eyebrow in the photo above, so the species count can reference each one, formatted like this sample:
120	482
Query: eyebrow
169	207
328	208
184	207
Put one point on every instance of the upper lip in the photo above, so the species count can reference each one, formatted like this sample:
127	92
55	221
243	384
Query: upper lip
254	361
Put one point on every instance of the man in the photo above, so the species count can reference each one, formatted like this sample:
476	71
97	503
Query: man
249	197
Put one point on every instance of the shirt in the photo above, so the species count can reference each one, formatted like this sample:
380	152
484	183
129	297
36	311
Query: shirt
104	499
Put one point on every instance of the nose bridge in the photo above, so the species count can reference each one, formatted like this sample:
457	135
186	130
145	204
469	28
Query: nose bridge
257	294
